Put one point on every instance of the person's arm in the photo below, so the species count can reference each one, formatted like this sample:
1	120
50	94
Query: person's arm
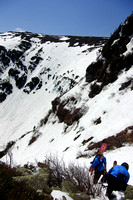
95	163
105	164
109	171
128	176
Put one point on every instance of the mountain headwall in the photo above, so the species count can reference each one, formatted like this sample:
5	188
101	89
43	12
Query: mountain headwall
35	69
113	59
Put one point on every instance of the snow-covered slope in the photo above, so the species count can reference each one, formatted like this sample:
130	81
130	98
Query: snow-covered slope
34	70
47	105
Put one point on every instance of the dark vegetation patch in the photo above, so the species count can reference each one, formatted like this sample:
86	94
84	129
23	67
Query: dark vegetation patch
49	38
18	73
107	69
2	97
87	140
14	55
24	45
26	35
35	60
126	84
35	81
5	89
72	40
21	66
66	149
5	151
33	139
39	85
95	89
4	59
59	86
97	121
45	120
24	135
2	48
76	137
65	115
85	40
11	189
21	183
129	192
13	72
117	141
20	80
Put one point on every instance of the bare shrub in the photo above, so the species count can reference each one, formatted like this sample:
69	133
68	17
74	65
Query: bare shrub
76	176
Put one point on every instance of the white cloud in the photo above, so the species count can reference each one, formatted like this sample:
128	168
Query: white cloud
19	30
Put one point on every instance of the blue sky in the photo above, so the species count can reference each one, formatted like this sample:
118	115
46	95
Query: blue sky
64	17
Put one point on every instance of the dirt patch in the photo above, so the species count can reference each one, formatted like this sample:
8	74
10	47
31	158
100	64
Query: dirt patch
116	141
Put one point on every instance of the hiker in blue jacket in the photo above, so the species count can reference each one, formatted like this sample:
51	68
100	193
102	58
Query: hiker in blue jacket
117	179
99	167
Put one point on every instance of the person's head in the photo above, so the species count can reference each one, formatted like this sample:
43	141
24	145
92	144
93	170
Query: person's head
100	155
114	163
125	165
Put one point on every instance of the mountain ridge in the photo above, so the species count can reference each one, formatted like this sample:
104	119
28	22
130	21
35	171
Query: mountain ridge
16	56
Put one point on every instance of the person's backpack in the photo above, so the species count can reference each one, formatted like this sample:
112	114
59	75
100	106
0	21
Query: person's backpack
122	181
98	159
121	177
94	159
90	169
